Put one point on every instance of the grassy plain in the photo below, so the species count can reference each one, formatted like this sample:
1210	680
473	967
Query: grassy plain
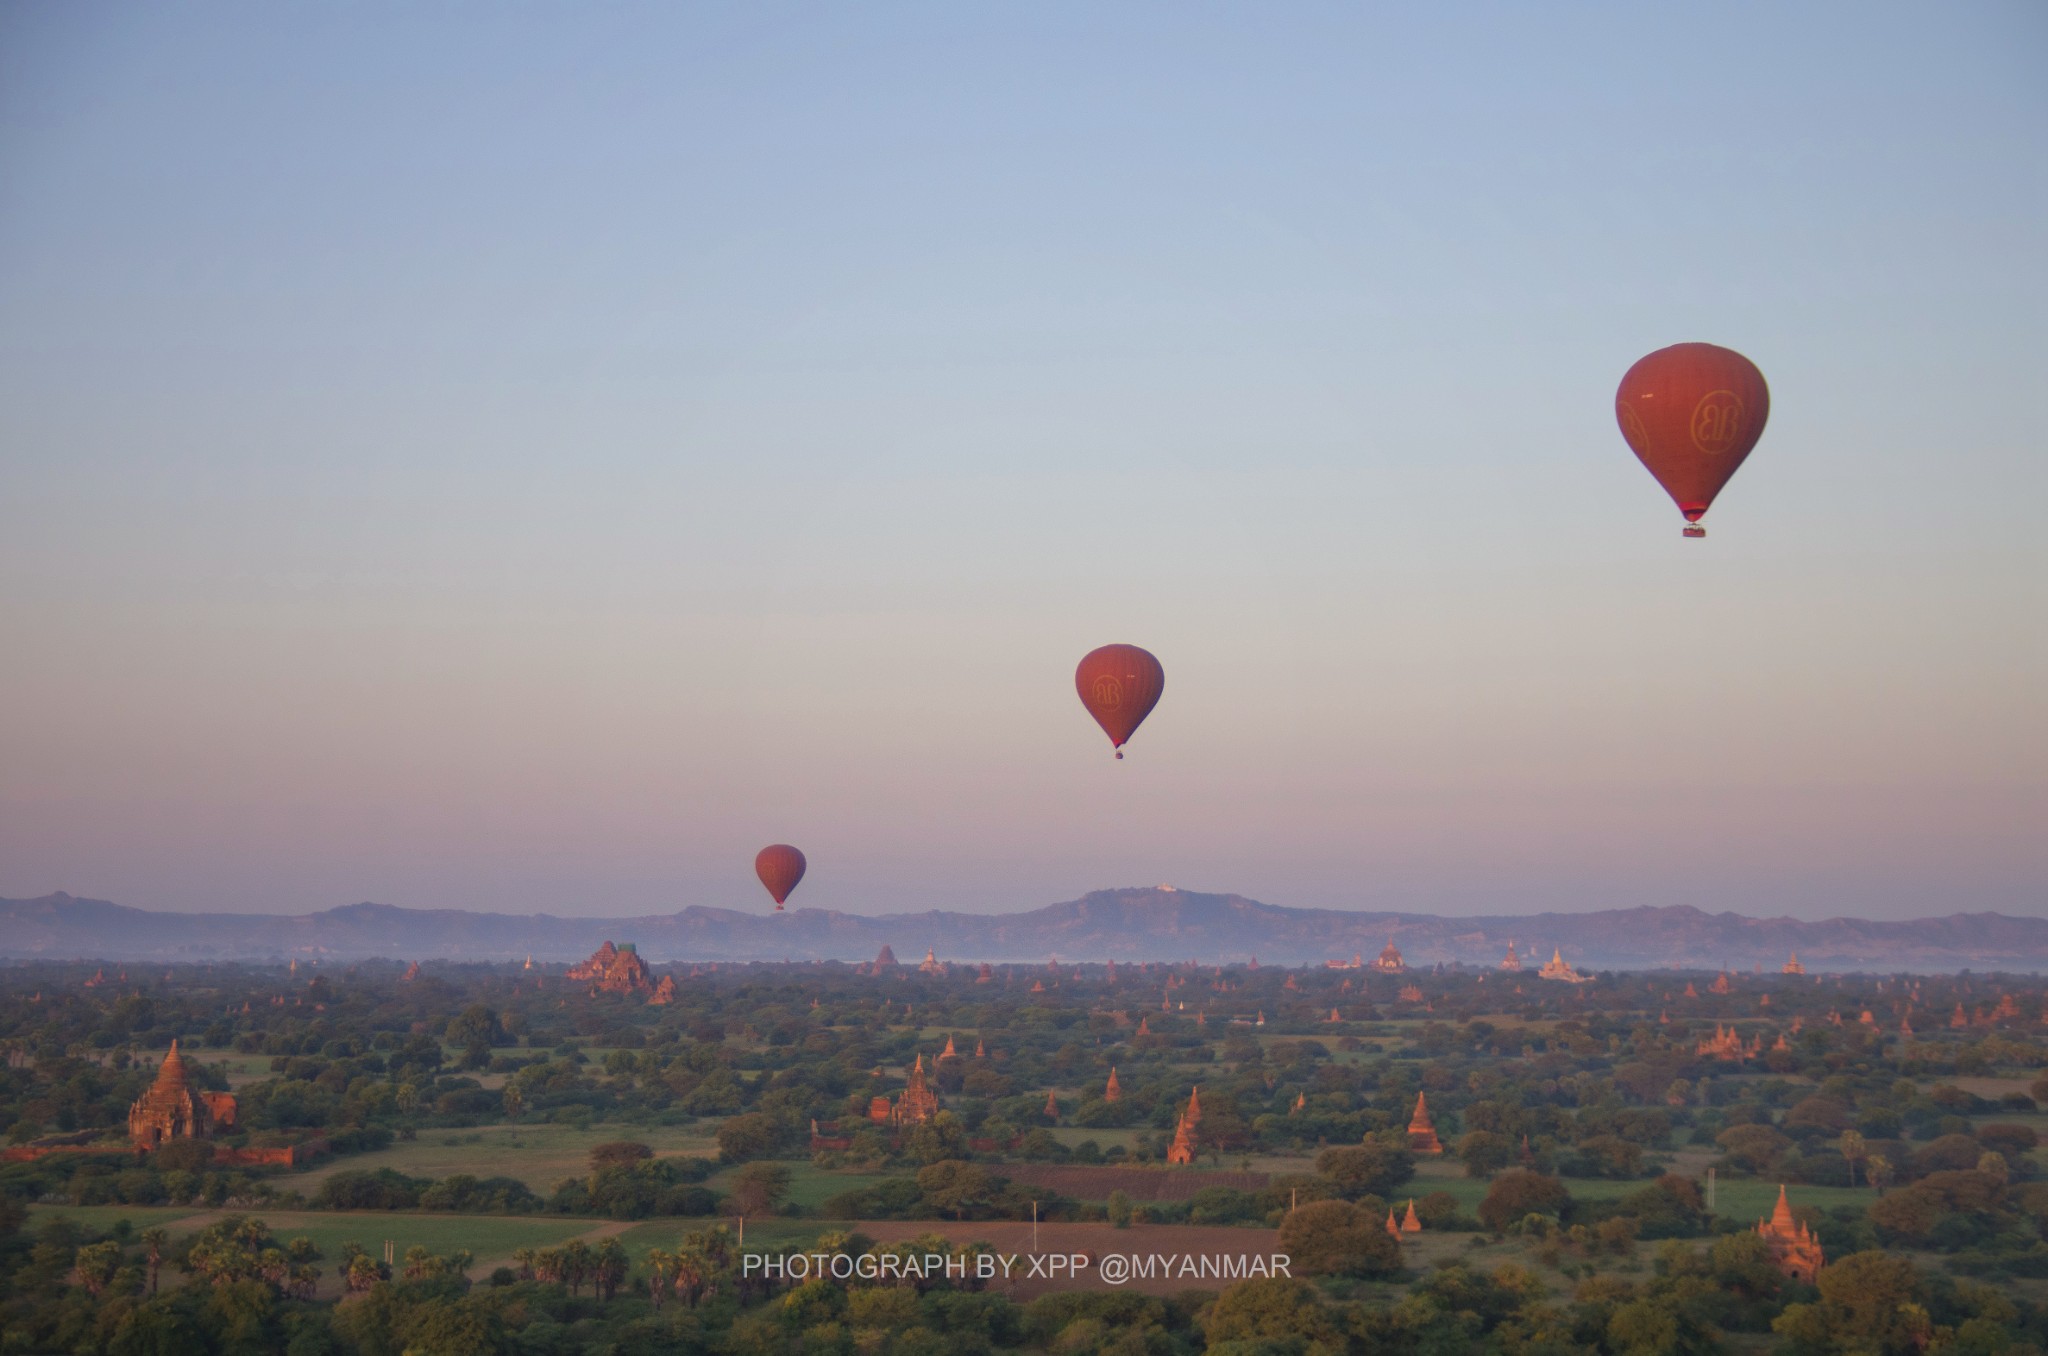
538	1155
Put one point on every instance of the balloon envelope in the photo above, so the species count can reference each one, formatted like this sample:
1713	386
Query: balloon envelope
1691	413
780	867
1119	684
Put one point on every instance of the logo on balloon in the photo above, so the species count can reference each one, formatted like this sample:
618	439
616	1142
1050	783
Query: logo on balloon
1108	693
1632	428
1717	421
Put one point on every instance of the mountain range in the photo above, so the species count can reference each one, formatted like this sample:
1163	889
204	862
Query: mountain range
1159	923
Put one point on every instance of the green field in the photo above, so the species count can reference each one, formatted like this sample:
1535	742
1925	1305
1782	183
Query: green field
538	1155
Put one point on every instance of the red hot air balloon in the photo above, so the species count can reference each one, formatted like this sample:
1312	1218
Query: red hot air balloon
1691	413
1119	684
780	867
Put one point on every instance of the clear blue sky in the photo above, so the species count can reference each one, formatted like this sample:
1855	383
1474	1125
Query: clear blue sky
531	456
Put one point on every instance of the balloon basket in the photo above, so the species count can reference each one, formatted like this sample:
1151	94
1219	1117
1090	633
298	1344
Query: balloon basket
1695	530
1119	755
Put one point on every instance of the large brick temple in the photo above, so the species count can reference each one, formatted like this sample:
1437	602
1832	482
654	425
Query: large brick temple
172	1108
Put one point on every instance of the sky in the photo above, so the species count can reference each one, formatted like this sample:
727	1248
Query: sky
528	457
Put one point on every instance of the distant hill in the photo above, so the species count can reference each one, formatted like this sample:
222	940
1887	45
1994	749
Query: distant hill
1138	924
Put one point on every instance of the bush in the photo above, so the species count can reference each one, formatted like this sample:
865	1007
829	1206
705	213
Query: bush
383	1189
182	1155
358	1139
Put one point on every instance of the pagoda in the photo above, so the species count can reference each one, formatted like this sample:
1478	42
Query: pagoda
1052	1106
1556	968
1421	1133
1113	1091
172	1109
931	964
615	969
1393	1225
918	1103
1793	967
1793	1246
985	975
949	1052
664	992
1725	1044
1184	1138
1720	984
884	958
1511	961
1411	1223
1389	961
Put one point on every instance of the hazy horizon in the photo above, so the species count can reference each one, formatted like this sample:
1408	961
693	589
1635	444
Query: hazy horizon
528	461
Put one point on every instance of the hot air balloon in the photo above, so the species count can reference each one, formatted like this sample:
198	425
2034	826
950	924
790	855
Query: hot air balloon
1691	413
1119	684
780	867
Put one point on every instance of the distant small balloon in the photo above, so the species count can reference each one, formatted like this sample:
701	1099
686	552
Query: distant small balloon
1119	684
780	867
1691	413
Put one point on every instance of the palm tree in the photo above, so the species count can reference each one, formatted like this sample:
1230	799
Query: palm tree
576	1263
661	1265
1853	1149
153	1244
609	1268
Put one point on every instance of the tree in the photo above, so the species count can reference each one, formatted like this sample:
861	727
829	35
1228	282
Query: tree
1277	1314
758	1188
955	1187
95	1266
1485	1153
478	1025
575	1263
1752	1148
609	1267
1519	1193
939	1138
1869	1303
1337	1238
618	1153
1366	1169
661	1270
748	1137
154	1241
514	1099
1854	1150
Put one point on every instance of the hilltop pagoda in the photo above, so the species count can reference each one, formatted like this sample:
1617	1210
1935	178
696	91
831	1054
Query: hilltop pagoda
172	1108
